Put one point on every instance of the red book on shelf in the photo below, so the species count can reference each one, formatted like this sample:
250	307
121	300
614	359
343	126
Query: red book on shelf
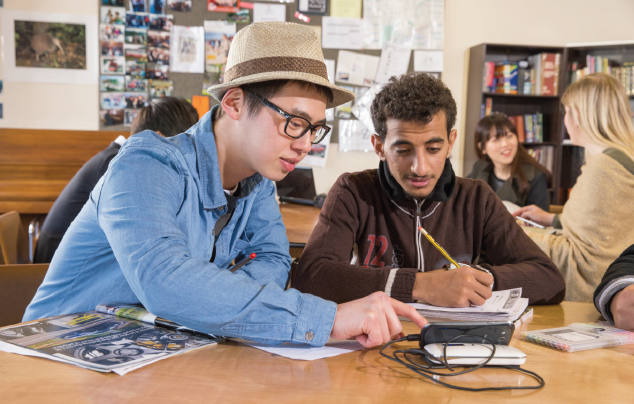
550	73
489	71
519	125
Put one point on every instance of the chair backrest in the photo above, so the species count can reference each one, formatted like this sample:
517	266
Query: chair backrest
18	284
14	244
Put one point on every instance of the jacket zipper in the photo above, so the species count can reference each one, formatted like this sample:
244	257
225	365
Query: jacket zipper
418	235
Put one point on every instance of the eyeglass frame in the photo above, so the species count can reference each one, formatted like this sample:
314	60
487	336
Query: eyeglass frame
288	117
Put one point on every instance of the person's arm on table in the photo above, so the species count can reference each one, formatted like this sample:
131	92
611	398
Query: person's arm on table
137	211
614	297
524	264
536	214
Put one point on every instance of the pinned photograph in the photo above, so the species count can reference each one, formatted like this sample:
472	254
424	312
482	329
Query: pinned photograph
134	84
180	5
344	111
157	6
158	39
135	69
112	65
156	71
218	37
51	45
136	36
241	16
213	75
135	100
137	20
158	55
114	33
111	117
112	100
136	52
319	7
118	3
161	22
113	15
161	89
111	83
138	6
223	6
129	116
109	48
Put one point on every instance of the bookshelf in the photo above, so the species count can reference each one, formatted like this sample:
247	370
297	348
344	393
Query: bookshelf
515	104
619	55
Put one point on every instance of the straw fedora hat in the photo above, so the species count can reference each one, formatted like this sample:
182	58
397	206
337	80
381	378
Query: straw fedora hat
266	51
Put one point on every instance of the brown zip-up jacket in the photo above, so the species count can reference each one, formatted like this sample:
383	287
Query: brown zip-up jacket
366	240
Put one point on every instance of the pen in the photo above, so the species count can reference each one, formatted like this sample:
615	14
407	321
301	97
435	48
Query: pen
243	262
438	247
530	222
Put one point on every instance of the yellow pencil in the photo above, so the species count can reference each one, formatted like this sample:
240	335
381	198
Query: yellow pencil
438	247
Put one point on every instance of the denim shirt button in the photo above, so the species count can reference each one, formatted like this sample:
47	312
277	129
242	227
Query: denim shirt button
310	336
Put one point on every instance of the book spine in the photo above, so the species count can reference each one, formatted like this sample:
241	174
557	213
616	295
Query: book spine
487	80
548	63
489	106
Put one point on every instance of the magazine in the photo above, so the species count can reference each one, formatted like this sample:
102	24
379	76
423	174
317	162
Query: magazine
100	341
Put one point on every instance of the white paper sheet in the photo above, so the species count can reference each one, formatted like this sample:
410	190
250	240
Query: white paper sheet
188	49
394	62
354	136
308	353
356	68
428	61
429	24
501	301
269	12
341	33
385	21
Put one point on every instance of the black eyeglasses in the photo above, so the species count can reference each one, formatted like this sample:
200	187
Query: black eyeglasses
296	126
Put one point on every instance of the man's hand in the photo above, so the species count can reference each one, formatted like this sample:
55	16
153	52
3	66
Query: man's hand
536	214
373	320
622	308
458	287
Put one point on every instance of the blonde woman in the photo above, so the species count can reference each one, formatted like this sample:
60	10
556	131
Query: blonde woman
596	223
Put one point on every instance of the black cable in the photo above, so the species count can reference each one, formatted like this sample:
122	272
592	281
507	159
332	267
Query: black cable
426	371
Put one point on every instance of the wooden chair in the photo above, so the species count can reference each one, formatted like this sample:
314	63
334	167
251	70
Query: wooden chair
18	284
556	208
14	244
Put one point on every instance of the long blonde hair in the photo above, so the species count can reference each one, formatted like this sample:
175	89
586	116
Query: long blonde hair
603	111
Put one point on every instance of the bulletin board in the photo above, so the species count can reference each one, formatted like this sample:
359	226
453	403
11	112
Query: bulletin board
186	85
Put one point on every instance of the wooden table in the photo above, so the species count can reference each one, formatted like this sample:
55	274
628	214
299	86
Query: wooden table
233	373
299	221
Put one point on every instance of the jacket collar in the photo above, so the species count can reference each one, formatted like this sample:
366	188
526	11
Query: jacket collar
442	191
204	142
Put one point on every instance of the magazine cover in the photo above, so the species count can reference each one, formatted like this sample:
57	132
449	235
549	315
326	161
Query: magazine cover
101	341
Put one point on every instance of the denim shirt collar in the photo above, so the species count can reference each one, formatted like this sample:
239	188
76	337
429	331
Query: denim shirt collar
204	142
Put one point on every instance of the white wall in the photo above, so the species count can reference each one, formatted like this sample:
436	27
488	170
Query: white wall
47	105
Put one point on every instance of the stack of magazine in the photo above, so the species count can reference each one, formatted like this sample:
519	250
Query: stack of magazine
503	305
114	338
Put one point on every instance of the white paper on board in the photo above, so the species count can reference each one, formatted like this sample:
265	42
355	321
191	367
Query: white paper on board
356	68
394	62
269	12
188	49
341	33
428	61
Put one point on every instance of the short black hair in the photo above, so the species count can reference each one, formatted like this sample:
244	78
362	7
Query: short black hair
412	97
168	115
268	89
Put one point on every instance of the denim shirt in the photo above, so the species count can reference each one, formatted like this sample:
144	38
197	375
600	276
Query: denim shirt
146	236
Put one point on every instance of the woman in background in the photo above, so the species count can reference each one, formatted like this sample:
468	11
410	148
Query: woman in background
506	166
596	223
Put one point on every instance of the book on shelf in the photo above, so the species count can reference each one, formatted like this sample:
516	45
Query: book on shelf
487	79
544	154
539	75
600	64
546	66
113	338
518	122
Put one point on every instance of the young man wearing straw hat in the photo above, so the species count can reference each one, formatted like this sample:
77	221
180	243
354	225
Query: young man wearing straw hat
169	216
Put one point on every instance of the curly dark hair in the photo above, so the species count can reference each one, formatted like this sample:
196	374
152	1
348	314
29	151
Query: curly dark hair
412	97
